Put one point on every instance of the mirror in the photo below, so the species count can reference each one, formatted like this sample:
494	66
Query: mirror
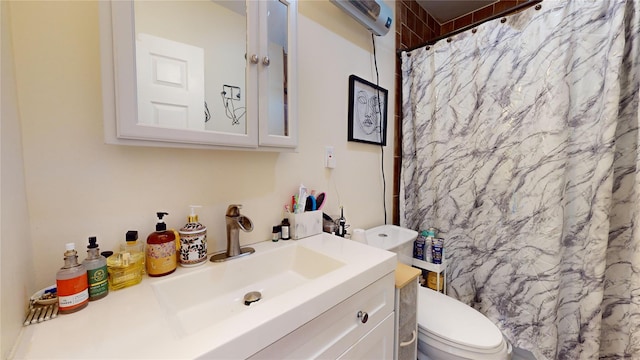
190	69
277	52
204	72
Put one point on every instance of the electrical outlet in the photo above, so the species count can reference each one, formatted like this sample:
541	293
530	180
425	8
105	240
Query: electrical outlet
329	157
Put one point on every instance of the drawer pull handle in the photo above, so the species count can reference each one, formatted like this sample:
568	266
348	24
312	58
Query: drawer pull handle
413	338
363	316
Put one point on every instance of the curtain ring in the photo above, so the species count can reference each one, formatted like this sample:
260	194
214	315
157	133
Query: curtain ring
427	47
448	39
503	20
474	30
538	7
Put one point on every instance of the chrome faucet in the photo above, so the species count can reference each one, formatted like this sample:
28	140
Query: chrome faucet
235	221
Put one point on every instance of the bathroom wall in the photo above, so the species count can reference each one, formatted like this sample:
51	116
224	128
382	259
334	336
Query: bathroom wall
415	26
17	277
77	186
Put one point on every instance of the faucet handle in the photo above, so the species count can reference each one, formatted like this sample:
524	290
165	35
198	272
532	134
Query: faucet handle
234	210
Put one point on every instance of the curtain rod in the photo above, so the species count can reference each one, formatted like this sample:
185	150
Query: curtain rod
471	26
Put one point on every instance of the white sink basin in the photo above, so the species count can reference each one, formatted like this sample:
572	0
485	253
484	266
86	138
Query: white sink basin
198	299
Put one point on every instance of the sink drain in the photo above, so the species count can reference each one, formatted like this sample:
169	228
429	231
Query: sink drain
252	297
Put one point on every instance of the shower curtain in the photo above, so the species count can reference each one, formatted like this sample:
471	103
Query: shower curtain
520	144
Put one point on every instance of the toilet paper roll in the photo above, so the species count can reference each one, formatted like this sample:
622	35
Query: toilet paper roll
359	236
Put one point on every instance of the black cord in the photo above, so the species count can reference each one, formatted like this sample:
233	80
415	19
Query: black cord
384	181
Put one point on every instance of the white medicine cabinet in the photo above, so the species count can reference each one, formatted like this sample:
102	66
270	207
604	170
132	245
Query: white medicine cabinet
200	74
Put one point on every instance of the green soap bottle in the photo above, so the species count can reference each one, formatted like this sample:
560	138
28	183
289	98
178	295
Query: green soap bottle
97	274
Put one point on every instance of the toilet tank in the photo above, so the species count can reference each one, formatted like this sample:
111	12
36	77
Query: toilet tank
393	238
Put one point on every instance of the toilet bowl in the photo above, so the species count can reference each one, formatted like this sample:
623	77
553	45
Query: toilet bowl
447	328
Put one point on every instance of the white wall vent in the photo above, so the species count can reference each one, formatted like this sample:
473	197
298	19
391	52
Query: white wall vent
375	15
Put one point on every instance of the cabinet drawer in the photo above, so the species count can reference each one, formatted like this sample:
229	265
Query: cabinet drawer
377	344
337	329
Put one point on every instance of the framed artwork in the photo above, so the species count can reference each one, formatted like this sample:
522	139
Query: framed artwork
367	112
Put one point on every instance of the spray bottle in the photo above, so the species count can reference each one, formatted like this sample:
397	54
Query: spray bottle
97	273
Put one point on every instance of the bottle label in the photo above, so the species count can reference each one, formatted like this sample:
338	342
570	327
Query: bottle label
98	284
285	232
436	253
193	248
418	249
124	278
72	293
161	258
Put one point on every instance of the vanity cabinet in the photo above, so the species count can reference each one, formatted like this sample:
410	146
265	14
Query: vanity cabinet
200	74
345	331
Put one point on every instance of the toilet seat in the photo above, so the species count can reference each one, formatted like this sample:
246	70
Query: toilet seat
453	327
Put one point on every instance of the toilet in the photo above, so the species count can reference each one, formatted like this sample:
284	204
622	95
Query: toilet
450	329
447	328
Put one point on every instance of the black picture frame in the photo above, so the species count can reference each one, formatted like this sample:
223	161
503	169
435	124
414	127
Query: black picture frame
365	125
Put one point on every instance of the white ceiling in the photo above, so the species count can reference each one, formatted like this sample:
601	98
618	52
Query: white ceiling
445	10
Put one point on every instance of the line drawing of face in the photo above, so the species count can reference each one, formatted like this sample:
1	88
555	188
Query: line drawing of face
367	112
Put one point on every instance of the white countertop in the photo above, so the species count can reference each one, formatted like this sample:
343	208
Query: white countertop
132	324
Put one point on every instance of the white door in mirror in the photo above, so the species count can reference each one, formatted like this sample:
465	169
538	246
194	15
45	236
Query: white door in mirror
170	83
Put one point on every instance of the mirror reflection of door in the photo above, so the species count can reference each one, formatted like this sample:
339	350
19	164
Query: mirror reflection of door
170	80
219	29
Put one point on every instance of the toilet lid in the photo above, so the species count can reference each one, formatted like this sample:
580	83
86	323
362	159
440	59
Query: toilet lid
452	320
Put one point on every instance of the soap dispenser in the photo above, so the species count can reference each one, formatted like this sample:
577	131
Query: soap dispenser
193	241
72	283
126	266
134	247
97	274
161	249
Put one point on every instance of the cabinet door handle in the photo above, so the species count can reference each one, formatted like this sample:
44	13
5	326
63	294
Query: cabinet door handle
413	338
363	316
266	61
254	59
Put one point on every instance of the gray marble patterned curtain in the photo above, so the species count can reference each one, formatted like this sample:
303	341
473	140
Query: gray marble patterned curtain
520	143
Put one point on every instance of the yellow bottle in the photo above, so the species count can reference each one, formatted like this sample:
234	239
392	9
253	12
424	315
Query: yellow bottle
133	246
125	267
432	281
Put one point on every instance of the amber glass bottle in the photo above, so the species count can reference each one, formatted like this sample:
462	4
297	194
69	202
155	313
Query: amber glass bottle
161	250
